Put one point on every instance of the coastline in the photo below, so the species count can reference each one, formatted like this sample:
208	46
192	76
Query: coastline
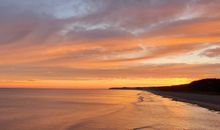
204	92
211	102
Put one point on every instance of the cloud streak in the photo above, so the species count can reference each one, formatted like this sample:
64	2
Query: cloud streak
113	39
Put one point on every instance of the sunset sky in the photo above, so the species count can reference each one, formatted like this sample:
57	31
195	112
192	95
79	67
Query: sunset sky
106	43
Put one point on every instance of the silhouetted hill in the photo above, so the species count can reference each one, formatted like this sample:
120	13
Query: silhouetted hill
211	86
202	86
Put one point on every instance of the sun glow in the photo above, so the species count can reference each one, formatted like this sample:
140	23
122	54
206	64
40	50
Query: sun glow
97	83
93	45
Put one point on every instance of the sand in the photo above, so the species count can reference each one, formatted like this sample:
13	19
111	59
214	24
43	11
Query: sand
211	102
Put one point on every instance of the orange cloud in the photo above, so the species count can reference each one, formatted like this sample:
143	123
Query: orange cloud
126	42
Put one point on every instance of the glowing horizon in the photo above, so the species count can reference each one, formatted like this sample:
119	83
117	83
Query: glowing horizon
101	44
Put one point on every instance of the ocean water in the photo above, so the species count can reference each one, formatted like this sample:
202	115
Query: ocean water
45	109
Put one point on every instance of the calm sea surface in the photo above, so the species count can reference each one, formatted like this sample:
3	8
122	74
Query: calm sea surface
42	109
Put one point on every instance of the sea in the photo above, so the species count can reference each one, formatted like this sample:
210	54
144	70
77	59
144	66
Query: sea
68	109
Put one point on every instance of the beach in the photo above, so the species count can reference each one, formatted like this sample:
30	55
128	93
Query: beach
48	109
209	101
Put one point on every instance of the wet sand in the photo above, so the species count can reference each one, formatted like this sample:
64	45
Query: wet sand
208	101
99	110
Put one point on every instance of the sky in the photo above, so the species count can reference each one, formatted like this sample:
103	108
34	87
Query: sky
108	43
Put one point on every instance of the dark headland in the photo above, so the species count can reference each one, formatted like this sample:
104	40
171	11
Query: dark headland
205	92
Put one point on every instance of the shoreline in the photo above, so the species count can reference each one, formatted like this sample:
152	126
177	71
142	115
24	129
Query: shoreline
211	102
208	101
204	92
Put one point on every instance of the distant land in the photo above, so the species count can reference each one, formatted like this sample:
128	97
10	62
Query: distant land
204	92
206	86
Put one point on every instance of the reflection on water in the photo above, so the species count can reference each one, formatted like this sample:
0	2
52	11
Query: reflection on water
31	109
